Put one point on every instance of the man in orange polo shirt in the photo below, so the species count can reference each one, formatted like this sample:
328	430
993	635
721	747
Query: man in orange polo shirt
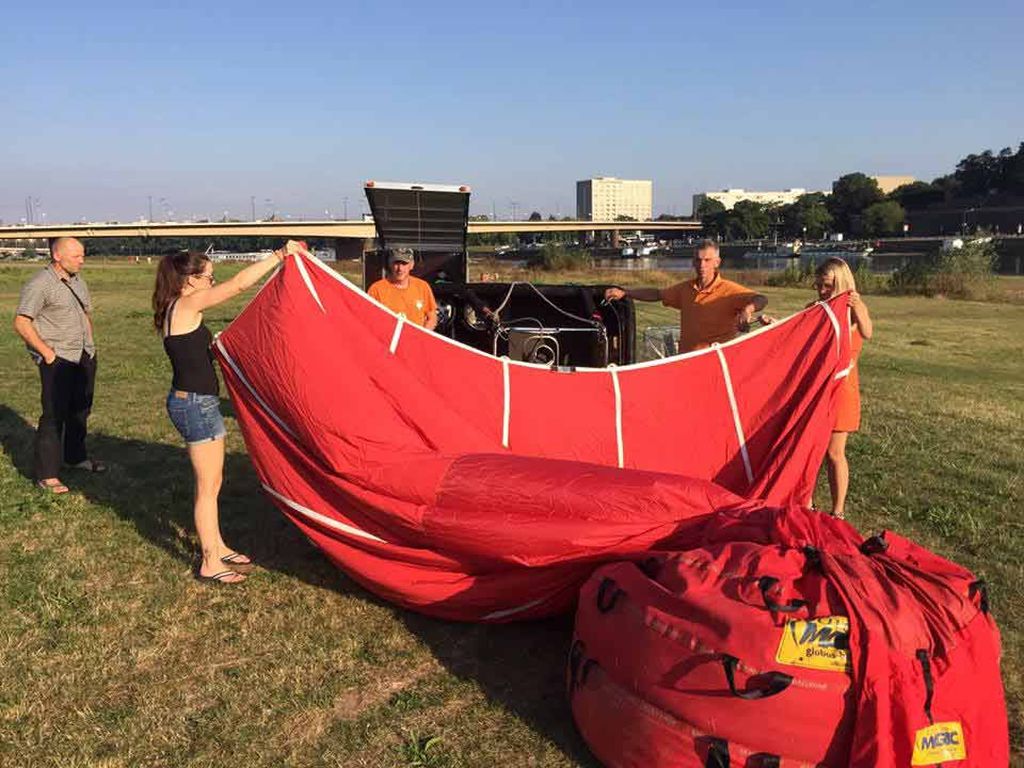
711	308
404	294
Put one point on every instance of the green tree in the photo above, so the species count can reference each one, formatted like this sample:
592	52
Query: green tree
1011	171
851	195
979	174
712	215
748	220
919	194
807	216
884	218
624	217
708	208
535	216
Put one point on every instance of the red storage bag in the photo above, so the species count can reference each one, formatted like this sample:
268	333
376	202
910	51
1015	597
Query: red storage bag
800	643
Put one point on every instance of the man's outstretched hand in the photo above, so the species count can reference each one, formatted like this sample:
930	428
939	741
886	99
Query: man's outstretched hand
614	294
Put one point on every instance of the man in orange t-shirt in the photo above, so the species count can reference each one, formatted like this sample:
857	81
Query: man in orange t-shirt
711	309
404	294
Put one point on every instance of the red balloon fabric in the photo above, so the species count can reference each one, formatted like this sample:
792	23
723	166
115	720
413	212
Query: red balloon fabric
476	488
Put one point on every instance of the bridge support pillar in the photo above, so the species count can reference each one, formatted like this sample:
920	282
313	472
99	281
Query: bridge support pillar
348	248
616	242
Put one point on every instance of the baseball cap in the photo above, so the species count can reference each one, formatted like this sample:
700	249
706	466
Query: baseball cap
401	254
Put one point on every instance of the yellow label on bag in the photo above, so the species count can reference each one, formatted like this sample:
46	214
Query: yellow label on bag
939	743
820	643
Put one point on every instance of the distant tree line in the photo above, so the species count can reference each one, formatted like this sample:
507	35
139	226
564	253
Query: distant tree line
858	207
513	239
156	246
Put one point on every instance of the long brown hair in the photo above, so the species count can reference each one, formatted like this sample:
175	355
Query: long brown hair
172	272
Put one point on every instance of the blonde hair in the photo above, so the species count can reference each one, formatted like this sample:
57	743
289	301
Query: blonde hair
840	272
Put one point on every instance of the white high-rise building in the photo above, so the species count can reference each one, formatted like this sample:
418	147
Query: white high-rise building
605	198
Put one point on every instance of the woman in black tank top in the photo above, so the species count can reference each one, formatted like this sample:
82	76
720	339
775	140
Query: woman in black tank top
185	288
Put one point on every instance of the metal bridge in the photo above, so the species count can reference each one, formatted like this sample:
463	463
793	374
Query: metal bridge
361	230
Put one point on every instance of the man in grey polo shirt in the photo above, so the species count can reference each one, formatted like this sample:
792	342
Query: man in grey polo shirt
53	318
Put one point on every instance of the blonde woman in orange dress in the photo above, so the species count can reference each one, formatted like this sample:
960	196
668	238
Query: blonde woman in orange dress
832	278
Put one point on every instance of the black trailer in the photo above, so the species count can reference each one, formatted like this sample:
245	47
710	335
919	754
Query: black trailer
558	325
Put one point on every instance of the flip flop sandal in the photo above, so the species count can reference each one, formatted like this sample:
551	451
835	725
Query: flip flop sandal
90	465
239	566
222	577
56	488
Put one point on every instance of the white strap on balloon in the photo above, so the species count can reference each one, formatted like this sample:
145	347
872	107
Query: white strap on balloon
495	615
329	522
618	413
399	324
241	377
735	414
507	406
835	322
305	277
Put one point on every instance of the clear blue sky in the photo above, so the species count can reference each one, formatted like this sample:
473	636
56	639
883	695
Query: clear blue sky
207	103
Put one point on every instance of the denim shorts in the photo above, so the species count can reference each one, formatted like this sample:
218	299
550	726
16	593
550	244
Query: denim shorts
197	417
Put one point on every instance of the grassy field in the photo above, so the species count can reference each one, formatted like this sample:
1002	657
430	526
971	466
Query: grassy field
111	655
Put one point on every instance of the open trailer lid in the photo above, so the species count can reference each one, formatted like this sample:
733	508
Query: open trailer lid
429	218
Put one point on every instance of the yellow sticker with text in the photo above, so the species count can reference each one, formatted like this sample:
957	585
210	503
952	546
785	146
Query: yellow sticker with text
939	743
821	643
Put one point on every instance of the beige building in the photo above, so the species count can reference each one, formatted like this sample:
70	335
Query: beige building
888	183
606	198
729	197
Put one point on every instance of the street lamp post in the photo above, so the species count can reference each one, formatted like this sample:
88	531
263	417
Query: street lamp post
963	225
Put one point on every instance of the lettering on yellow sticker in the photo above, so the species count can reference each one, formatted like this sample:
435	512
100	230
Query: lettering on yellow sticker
821	643
939	743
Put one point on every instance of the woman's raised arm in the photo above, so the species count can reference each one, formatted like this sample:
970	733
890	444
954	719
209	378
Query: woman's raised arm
243	281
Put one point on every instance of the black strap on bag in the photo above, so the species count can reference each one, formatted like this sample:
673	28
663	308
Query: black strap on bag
585	668
764	760
774	682
929	683
576	655
80	303
608	593
765	584
813	555
874	545
718	753
979	587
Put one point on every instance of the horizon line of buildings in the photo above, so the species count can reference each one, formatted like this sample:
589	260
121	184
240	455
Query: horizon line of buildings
606	198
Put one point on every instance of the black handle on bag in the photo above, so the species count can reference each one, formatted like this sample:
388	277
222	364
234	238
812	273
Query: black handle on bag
718	754
765	583
874	545
576	655
976	588
607	595
775	682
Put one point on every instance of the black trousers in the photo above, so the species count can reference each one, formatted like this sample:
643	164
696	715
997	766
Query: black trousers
67	400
